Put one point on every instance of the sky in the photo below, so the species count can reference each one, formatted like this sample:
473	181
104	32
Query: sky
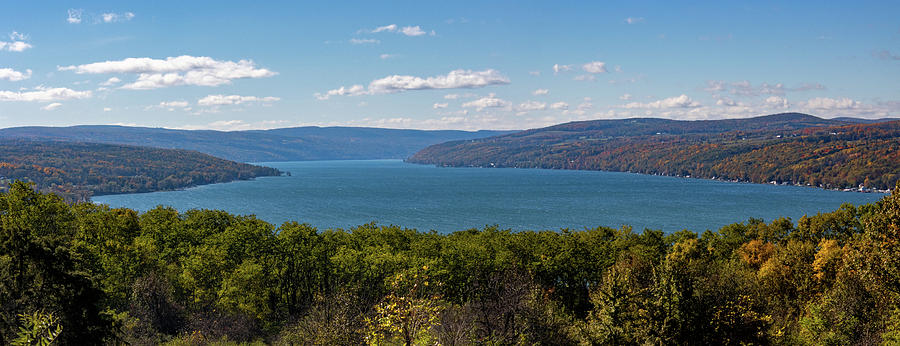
226	65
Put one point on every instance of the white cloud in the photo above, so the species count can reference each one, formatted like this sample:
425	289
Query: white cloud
387	56
532	106
393	84
451	96
557	68
406	30
538	92
239	125
52	106
826	103
625	97
560	106
18	36
534	73
221	100
388	28
13	75
439	105
682	101
745	88
634	20
107	109
364	41
74	16
412	31
491	101
585	77
727	102
173	71
111	81
594	67
777	102
17	43
583	107
116	17
42	94
172	104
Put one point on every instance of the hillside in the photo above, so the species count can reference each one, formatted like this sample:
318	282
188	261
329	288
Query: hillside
788	148
286	144
80	170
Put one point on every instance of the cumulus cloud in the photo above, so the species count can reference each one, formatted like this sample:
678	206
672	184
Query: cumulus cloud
13	75
727	102
777	102
539	92
634	20
116	17
594	67
74	16
173	71
111	81
412	31
625	97
451	96
560	106
406	30
826	103
16	44
557	68
583	107
222	100
393	84
682	101
364	41
42	94
532	106
491	101
52	106
440	105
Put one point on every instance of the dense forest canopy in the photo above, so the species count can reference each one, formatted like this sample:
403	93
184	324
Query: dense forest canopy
80	170
284	144
97	274
783	148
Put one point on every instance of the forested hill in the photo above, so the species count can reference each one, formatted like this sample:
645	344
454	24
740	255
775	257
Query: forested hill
79	170
789	148
286	144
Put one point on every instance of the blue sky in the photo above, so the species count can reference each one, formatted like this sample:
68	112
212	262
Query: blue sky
441	65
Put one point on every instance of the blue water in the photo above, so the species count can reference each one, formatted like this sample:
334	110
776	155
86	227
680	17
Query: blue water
342	194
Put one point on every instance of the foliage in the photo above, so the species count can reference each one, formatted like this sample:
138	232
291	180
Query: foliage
80	170
206	276
38	328
783	148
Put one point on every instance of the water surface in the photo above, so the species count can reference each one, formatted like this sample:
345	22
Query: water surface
332	194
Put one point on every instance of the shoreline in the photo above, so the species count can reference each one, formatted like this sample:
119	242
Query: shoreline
860	189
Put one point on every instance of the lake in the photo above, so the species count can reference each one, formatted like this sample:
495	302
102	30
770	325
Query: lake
342	194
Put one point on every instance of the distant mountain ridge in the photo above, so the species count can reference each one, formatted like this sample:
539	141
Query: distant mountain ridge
791	148
285	144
